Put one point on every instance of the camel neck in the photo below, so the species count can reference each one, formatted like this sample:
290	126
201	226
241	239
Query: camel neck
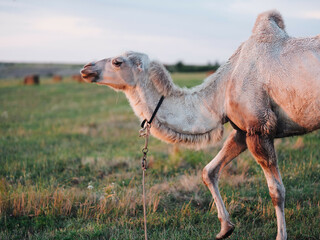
154	113
186	115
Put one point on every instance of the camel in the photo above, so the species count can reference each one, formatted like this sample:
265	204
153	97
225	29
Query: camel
269	88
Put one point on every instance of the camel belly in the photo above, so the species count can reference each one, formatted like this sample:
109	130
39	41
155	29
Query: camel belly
294	116
295	91
298	116
288	127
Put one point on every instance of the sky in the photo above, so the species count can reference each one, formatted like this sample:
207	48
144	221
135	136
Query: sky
195	32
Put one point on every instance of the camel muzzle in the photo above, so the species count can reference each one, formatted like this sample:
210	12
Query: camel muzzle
89	73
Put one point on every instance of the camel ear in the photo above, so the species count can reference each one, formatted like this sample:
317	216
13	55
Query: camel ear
139	61
140	66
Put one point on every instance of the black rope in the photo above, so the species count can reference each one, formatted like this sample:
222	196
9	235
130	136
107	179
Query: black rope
154	113
145	132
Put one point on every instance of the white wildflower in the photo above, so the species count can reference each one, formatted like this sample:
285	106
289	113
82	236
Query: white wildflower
90	186
4	115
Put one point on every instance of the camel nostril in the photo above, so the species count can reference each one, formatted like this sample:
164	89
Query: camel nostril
83	70
89	64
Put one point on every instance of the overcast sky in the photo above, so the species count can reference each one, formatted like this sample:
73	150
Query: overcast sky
192	31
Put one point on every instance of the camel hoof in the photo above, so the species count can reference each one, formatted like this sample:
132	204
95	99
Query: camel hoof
226	231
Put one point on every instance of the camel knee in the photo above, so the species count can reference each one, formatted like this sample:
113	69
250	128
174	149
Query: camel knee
205	177
209	176
277	194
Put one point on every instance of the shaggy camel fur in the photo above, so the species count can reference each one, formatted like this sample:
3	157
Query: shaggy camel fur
269	88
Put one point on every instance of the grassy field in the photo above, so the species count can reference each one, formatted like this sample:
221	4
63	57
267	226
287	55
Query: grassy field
70	169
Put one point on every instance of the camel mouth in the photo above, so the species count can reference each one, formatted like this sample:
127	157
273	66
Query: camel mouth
89	75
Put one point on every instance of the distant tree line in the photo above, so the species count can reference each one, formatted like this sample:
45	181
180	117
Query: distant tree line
181	67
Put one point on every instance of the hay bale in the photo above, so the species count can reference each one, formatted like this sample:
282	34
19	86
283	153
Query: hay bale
31	80
210	72
57	78
78	78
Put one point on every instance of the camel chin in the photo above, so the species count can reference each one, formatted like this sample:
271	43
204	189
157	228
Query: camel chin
89	79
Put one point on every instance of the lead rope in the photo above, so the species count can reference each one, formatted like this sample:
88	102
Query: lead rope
145	132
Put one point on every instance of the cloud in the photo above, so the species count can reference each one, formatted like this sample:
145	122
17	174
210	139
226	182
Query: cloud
45	36
67	25
289	8
311	15
48	25
169	31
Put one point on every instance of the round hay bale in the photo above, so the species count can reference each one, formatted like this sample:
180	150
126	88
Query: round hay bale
78	78
210	72
31	80
57	78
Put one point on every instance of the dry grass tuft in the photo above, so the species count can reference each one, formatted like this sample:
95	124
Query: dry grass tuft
189	183
67	202
185	188
299	144
236	173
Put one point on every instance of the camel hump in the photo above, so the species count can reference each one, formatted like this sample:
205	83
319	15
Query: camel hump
269	23
265	19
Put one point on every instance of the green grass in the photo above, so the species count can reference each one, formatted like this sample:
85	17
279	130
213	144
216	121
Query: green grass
58	139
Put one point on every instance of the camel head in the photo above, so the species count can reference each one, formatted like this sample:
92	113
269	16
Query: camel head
118	72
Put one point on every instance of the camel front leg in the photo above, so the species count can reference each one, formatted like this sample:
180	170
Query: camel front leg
234	145
262	149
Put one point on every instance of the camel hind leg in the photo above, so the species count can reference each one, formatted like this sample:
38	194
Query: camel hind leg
234	145
262	149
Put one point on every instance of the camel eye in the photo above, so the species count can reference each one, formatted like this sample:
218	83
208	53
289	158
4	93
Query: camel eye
117	62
